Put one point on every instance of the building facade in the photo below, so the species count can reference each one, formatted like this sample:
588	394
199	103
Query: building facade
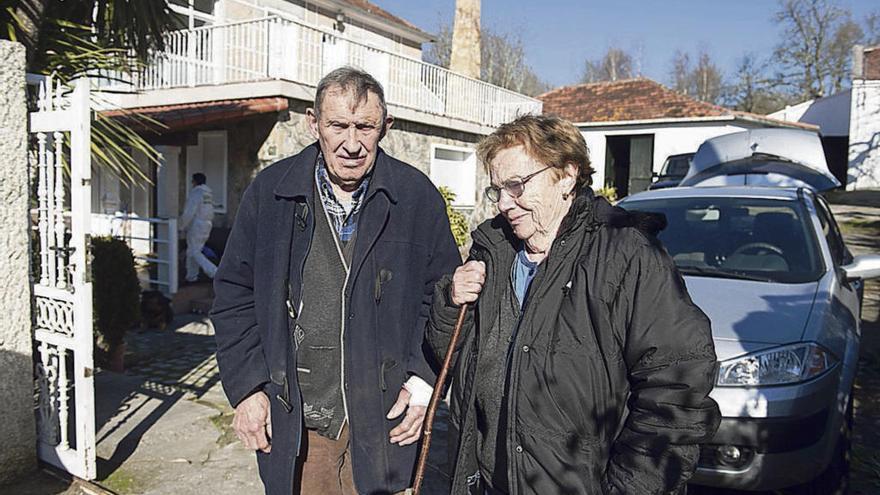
864	122
230	92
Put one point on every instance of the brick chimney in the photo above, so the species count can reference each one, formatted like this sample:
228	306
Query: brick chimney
465	57
871	63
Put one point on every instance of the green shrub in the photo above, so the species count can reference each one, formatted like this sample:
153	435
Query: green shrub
457	221
608	192
115	289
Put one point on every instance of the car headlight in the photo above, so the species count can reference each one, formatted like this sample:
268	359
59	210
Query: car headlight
778	366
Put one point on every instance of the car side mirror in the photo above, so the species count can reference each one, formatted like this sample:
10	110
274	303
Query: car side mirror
863	267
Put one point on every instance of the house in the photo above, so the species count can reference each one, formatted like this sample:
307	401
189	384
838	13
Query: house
832	115
632	126
849	122
231	90
864	121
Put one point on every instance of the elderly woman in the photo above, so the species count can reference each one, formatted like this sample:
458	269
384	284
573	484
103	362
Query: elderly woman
584	368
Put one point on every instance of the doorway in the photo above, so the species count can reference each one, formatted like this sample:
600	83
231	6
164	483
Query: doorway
629	163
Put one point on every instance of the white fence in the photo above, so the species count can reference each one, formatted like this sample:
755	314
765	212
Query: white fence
281	48
153	242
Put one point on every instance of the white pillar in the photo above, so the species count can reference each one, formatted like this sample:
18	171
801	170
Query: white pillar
18	429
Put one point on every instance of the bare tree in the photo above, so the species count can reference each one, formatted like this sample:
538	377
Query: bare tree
615	65
503	60
814	53
440	50
703	81
752	89
681	72
706	78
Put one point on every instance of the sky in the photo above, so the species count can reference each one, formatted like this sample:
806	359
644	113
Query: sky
559	35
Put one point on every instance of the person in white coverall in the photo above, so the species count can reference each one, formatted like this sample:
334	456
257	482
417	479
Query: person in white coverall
196	221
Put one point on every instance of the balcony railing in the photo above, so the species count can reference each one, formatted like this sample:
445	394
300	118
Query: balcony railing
280	48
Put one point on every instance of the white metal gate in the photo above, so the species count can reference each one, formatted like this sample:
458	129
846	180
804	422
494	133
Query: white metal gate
62	310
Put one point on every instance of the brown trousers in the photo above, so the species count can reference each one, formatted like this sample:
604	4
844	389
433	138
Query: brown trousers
324	467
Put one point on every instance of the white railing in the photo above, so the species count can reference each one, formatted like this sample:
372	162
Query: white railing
153	241
281	48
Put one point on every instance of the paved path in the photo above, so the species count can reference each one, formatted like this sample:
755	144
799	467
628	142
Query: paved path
164	425
183	356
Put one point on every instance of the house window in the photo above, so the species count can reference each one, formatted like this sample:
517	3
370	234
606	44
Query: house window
110	195
210	157
455	168
193	13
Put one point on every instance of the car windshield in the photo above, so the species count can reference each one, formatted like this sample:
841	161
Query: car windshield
676	166
744	238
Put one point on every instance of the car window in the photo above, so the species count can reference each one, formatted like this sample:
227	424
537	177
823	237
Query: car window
839	254
677	167
750	238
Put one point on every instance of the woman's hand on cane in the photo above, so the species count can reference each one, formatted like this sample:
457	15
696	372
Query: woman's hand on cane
467	282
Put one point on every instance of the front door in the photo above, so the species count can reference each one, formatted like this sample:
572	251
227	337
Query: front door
629	163
641	162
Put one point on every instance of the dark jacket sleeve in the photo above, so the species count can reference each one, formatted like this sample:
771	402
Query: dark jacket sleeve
670	359
240	356
441	322
443	260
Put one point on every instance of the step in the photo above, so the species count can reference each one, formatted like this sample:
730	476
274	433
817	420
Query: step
183	300
201	306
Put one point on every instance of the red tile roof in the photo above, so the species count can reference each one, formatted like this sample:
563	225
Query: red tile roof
638	99
630	99
189	115
374	9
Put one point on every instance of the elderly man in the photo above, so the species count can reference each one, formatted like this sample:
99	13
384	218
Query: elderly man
321	297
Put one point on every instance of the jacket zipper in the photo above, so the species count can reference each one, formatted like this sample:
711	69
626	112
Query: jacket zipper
514	363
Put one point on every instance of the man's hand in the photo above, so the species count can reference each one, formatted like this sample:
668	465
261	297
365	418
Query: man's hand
410	429
253	422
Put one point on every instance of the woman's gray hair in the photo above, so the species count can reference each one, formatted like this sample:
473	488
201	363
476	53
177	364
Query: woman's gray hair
351	79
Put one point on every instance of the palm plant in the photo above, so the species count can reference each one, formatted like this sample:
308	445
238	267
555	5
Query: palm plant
68	39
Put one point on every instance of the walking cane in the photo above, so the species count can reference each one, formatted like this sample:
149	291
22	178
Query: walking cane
435	399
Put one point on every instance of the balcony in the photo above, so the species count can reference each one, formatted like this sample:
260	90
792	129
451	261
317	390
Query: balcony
281	49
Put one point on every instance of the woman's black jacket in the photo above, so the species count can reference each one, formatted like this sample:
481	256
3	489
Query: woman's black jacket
610	371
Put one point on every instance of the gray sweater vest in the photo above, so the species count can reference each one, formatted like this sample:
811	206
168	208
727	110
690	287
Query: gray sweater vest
318	334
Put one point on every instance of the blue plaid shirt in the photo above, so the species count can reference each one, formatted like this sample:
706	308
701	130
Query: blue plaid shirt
344	221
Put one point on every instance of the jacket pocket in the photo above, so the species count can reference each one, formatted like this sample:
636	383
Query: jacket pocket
388	364
383	277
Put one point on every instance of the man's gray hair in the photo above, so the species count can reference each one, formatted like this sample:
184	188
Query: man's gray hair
351	79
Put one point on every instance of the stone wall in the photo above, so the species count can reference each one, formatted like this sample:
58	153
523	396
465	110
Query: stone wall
406	141
17	429
257	143
411	142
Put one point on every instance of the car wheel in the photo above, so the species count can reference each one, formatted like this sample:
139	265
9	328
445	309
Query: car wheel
835	479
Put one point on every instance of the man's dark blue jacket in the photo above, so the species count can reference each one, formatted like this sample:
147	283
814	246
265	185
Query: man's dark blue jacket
403	246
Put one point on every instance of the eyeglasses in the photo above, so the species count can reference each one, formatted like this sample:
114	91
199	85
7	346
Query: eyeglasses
515	187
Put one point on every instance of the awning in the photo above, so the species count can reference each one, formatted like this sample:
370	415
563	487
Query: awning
187	116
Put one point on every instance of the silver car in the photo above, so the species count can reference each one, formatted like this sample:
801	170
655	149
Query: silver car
769	267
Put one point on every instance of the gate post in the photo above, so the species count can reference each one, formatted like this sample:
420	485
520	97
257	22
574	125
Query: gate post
17	429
